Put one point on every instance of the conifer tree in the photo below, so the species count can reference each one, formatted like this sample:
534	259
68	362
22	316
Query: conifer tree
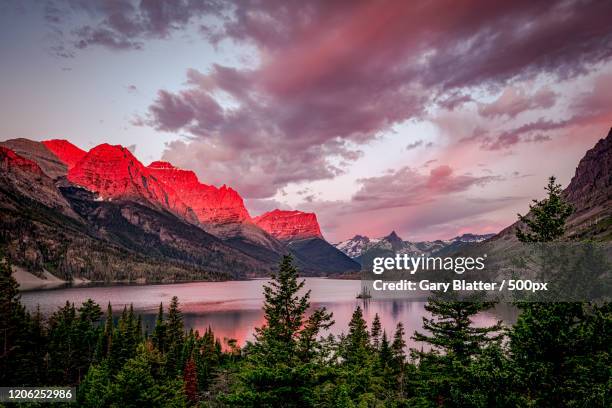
158	337
375	332
104	344
553	345
95	390
13	320
138	384
274	373
88	332
63	345
190	378
546	221
385	354
36	349
357	347
284	310
174	323
22	337
451	329
398	346
174	337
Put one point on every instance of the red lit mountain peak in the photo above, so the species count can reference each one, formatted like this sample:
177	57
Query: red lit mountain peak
113	172
210	204
159	164
289	225
65	151
169	174
10	160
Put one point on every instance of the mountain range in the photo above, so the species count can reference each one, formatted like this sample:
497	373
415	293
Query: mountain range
360	245
102	215
589	192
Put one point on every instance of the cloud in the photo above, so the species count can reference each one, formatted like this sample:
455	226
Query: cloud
439	219
529	132
255	171
414	145
408	187
334	75
514	101
128	24
259	206
454	101
597	101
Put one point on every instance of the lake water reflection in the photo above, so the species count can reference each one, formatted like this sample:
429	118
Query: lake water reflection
233	309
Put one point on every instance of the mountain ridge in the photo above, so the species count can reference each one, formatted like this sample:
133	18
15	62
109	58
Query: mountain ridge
119	206
360	245
589	192
289	225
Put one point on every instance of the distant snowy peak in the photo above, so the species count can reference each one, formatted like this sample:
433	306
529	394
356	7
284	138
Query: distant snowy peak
355	246
360	244
472	238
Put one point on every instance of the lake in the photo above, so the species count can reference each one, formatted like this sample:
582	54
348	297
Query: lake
233	309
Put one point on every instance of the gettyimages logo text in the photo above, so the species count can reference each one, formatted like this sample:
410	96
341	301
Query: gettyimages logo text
412	264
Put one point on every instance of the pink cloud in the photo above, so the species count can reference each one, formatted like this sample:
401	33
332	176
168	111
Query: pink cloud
514	101
333	75
408	187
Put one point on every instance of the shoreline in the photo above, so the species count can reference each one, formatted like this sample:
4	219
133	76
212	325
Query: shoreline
27	281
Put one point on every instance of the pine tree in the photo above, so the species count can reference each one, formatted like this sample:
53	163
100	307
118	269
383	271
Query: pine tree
138	384
385	354
553	345
174	337
175	330
342	398
547	220
36	349
452	330
274	372
361	368
357	347
284	311
104	344
158	337
124	346
13	321
190	378
308	346
88	332
375	332
398	346
63	345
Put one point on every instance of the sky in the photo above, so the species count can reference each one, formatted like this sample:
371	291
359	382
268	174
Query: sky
430	118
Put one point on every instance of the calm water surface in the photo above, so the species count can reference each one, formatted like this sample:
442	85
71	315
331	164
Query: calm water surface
233	309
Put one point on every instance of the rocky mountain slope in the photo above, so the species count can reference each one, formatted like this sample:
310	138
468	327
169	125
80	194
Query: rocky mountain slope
65	151
102	215
71	234
115	174
210	204
49	163
590	193
23	177
301	233
289	225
